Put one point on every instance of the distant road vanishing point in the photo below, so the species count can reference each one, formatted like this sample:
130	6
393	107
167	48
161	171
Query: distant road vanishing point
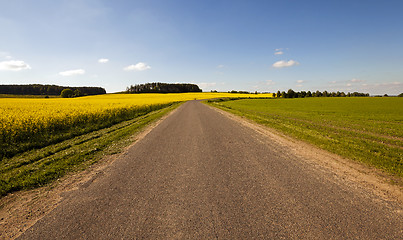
202	175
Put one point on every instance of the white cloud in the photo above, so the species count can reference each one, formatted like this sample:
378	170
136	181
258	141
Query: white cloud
389	84
5	55
393	88
138	67
14	65
220	66
299	83
103	60
355	80
282	63
347	82
206	85
72	72
263	85
278	51
270	82
364	86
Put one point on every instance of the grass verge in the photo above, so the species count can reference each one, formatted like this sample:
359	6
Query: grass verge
368	130
38	167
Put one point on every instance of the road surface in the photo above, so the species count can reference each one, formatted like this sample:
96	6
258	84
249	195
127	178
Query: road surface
201	175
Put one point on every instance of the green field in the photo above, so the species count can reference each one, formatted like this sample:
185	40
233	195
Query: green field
369	130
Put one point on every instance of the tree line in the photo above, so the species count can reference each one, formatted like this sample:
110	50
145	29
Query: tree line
158	87
292	94
39	89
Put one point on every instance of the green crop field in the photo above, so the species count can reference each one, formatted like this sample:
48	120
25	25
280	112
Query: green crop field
369	130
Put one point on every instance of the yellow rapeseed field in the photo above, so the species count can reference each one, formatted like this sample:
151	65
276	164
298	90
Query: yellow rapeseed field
22	119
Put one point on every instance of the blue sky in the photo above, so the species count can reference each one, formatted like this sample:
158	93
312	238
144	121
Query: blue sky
265	46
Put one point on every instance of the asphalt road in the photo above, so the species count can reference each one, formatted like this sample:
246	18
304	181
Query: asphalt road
201	175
